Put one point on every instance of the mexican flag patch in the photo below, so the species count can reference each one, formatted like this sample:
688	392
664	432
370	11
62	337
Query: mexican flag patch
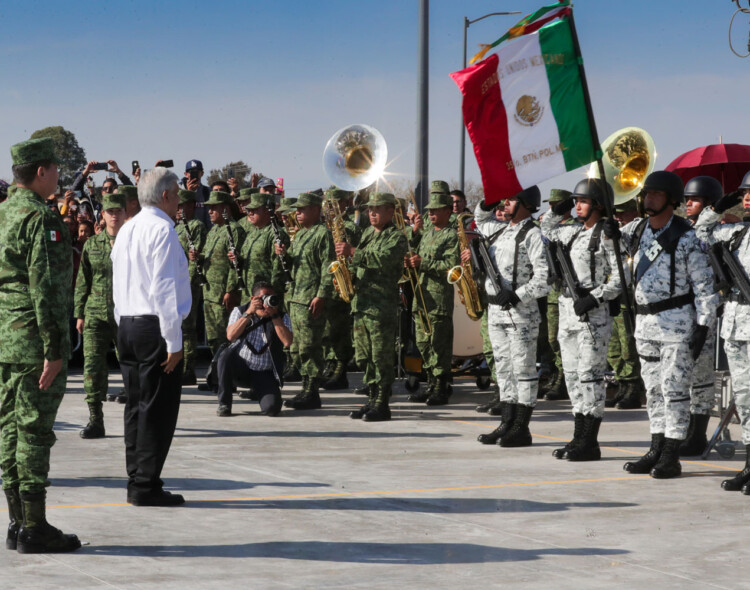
54	236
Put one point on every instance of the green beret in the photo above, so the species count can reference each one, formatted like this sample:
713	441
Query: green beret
439	186
246	193
219	198
381	199
34	150
186	196
260	200
305	199
557	195
114	201
439	200
629	205
339	194
128	190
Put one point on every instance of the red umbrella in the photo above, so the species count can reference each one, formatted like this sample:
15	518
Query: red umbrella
726	162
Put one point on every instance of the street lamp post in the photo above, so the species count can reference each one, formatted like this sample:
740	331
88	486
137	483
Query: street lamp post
467	24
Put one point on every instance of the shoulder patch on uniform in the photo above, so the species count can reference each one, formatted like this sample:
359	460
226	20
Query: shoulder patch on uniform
54	235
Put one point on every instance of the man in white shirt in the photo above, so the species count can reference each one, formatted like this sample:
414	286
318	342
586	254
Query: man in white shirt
151	291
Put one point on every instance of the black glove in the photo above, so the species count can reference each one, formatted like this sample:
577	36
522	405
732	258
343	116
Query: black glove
611	229
728	201
697	340
562	207
585	304
485	207
507	297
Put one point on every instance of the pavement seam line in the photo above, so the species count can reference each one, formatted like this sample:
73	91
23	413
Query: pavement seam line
80	571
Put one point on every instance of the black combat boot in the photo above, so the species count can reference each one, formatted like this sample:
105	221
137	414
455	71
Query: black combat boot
36	535
188	375
646	463
422	395
668	465
442	393
359	413
575	441
631	399
546	381
696	440
558	390
493	401
311	399
379	410
328	369
739	481
122	397
95	427
291	374
338	378
363	389
519	435
15	513
589	449
493	438
303	392
615	392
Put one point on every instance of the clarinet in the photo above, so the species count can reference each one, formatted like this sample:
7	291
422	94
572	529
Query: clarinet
275	226
233	250
191	248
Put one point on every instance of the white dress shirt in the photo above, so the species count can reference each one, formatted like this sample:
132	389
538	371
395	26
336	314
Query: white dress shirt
150	274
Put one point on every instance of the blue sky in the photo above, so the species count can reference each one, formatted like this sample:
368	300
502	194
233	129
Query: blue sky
269	82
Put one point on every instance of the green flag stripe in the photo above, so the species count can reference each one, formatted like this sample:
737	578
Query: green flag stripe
566	94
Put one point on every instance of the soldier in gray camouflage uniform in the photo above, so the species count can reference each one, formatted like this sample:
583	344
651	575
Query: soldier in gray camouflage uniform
675	307
585	320
518	254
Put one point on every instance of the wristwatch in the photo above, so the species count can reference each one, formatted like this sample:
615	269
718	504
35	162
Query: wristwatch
245	315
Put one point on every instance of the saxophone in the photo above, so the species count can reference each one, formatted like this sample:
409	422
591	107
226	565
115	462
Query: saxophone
462	275
342	277
291	224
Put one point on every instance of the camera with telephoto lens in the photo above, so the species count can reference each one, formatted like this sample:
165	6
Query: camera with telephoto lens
271	300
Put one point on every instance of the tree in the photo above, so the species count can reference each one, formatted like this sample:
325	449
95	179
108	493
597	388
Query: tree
72	155
239	169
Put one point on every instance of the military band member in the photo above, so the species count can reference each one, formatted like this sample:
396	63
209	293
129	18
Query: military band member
95	311
521	269
308	258
189	225
132	205
436	253
244	197
377	265
675	309
585	319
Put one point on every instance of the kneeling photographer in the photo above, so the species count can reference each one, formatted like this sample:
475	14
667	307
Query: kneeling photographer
257	334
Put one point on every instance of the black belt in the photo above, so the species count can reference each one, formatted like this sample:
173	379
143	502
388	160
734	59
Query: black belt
666	304
134	318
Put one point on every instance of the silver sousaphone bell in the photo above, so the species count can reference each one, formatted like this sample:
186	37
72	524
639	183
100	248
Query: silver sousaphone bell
355	157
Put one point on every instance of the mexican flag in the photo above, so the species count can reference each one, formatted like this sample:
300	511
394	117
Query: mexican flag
525	111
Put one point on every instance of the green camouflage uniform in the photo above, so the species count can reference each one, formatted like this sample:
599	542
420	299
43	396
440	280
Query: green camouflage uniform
36	274
259	260
94	305
197	231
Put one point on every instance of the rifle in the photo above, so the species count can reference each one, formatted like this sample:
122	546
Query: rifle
485	266
722	282
570	278
737	276
233	249
191	248
276	228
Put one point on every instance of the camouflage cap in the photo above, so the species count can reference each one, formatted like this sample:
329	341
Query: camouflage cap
339	194
186	196
34	150
557	195
317	191
377	199
128	190
286	205
629	205
247	193
439	186
260	200
439	200
305	199
219	198
114	201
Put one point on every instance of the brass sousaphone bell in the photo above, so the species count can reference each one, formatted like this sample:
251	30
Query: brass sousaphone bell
355	157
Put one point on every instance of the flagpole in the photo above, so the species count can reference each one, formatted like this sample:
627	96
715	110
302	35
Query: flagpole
629	316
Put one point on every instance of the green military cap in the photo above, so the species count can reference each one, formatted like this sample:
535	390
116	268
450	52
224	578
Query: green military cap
34	150
246	193
439	200
260	200
286	205
305	199
439	186
629	205
317	191
557	195
128	190
381	199
219	198
339	194
186	196
114	201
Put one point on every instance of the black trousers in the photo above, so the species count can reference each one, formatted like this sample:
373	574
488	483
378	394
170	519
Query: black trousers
153	401
231	369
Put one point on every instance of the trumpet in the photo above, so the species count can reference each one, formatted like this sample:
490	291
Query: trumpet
342	277
412	275
462	275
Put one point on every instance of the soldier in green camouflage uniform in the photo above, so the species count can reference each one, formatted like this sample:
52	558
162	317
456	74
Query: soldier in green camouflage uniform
436	254
36	274
188	226
312	288
377	266
95	311
337	338
222	293
245	195
291	374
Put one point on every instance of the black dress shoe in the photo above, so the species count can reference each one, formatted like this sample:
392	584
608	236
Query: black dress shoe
223	411
160	498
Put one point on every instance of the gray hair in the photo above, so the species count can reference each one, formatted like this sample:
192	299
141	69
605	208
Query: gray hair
152	185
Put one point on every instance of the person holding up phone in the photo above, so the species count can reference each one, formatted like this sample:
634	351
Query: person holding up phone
110	184
192	182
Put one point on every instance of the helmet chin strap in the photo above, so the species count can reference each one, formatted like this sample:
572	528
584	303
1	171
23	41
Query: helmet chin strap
654	213
515	210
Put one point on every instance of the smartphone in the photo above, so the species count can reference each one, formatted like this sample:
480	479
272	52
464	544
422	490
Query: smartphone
194	174
136	165
230	173
100	166
166	163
